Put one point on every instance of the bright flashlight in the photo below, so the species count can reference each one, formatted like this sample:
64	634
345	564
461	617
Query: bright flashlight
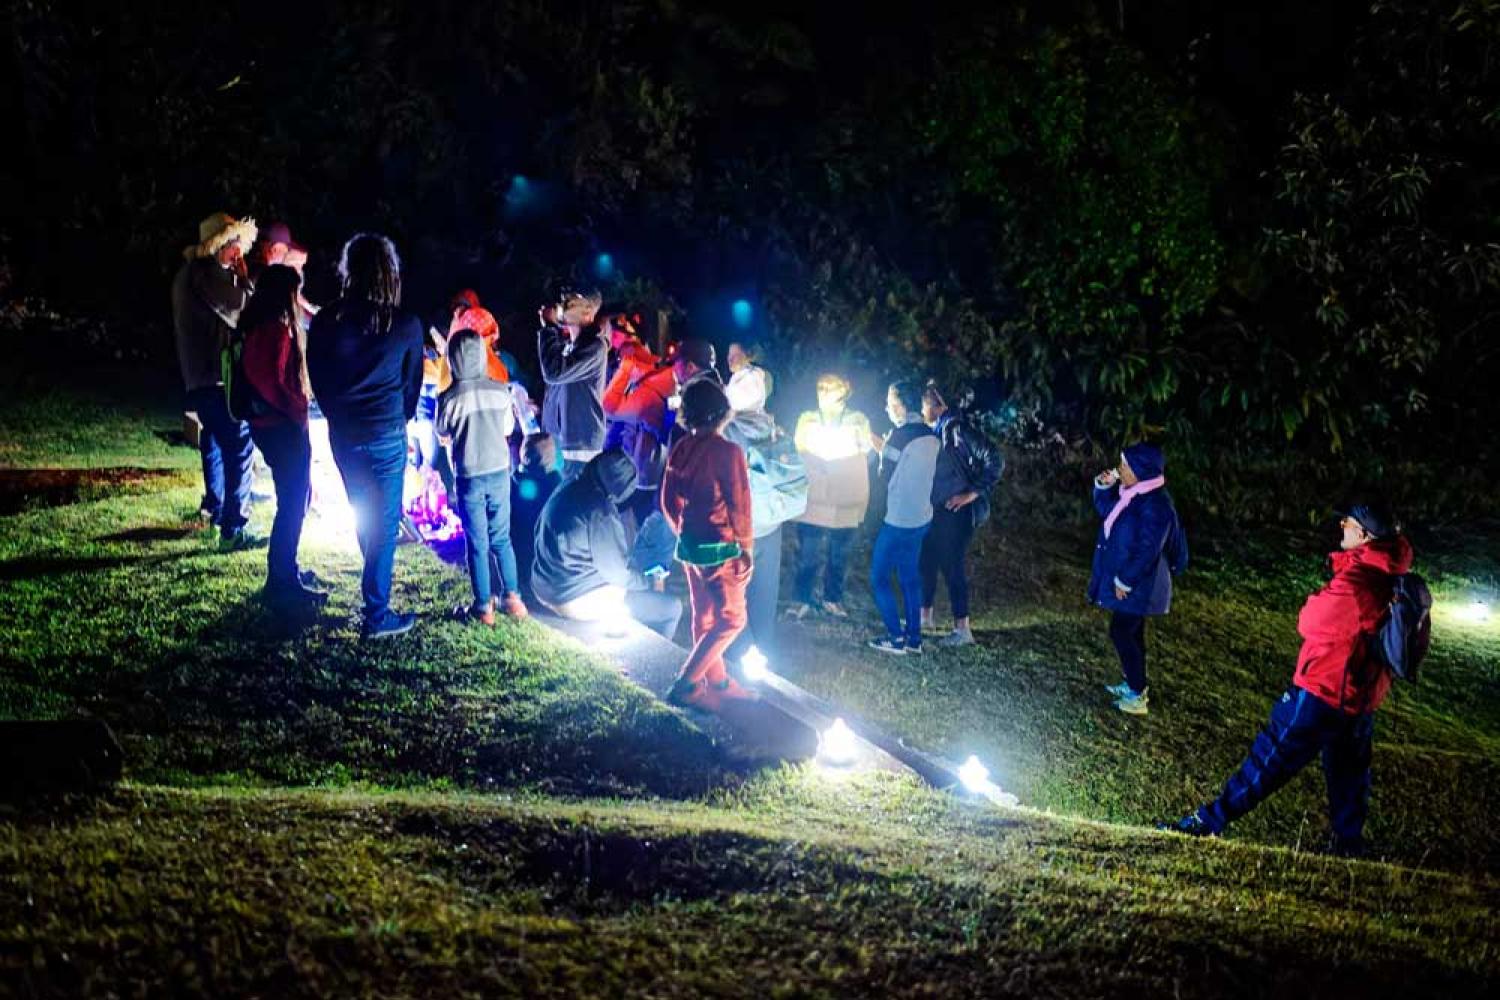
838	745
975	776
832	442
753	665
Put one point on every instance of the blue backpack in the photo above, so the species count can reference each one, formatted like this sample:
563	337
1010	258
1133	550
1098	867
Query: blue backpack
1403	635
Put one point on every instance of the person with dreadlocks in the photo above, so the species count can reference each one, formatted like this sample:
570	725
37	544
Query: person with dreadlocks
364	358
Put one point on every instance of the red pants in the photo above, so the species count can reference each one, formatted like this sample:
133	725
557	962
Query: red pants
718	596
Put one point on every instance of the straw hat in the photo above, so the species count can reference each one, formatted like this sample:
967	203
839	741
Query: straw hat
219	230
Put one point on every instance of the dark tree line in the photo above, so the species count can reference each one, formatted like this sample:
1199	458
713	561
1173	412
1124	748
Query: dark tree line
1098	228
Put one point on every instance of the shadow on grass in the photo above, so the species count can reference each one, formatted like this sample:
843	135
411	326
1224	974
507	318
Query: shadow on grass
32	567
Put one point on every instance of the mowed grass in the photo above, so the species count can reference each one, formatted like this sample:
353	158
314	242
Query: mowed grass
800	887
471	812
1029	698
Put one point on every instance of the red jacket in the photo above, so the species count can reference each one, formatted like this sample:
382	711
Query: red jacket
1336	664
272	368
705	493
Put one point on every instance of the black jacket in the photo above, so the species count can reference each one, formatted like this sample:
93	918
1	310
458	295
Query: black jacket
366	383
580	539
968	461
573	408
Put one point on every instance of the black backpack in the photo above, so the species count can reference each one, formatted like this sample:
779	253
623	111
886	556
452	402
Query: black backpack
1403	635
239	395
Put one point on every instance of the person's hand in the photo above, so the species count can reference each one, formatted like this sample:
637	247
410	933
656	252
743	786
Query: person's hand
961	500
238	266
1108	477
548	315
877	443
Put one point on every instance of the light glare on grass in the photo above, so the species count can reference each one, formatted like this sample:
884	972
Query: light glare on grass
1475	611
975	776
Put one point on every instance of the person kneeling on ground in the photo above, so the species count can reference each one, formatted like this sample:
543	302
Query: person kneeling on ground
581	568
476	416
1140	547
1338	685
706	500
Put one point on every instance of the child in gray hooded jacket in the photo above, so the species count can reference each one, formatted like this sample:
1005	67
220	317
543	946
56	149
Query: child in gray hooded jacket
475	418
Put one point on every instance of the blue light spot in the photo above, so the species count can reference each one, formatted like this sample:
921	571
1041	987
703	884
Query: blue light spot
743	313
528	489
604	265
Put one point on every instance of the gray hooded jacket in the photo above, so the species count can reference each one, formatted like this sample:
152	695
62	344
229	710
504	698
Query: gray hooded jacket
476	414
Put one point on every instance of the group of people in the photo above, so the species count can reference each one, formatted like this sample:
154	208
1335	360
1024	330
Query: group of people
639	462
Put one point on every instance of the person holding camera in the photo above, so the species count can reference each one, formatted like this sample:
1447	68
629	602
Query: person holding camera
574	359
1140	547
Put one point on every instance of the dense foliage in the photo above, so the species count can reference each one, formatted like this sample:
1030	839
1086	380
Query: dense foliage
1021	198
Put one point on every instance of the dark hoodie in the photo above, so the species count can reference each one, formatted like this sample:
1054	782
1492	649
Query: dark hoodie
476	413
580	540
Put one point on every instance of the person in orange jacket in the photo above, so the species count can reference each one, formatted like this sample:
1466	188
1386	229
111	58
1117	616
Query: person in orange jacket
706	500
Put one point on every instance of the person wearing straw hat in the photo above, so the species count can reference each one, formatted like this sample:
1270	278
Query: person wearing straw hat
210	289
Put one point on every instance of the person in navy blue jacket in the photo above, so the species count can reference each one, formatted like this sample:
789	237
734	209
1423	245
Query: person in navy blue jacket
1140	547
364	358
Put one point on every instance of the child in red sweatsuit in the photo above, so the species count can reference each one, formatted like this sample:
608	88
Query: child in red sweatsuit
706	499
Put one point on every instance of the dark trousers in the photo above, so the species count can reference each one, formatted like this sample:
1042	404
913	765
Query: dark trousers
289	454
810	542
899	551
1301	727
1128	633
372	473
946	549
657	611
760	598
484	509
225	447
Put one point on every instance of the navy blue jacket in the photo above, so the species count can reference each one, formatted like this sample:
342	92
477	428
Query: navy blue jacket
1145	548
366	383
573	408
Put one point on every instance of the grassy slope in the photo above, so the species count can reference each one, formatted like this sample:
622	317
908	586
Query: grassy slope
781	882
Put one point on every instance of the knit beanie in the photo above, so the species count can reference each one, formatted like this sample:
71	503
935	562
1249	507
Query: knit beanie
1145	460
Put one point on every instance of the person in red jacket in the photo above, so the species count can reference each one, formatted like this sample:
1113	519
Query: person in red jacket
273	359
1338	685
706	499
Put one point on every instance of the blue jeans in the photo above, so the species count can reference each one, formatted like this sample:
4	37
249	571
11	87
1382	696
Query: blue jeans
899	551
810	539
1301	727
289	454
224	445
372	472
484	509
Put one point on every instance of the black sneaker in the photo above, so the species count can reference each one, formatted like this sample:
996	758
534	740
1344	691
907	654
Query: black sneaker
390	626
1191	825
885	644
238	540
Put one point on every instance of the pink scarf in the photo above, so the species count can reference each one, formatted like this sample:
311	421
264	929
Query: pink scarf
1128	494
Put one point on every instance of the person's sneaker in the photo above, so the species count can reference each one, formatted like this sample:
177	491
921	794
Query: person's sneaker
1191	825
514	607
1119	690
207	517
958	637
929	622
391	625
309	579
1134	704
687	694
798	611
834	609
731	689
238	540
293	600
913	650
885	644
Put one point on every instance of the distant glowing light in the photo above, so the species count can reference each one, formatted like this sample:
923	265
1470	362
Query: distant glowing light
528	489
1475	611
604	265
837	745
606	603
753	665
743	313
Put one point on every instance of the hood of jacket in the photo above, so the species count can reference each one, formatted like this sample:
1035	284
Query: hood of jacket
751	427
466	354
614	472
1392	556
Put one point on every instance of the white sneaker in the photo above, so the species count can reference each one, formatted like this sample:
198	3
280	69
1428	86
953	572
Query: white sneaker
1134	704
796	612
834	609
958	637
1119	690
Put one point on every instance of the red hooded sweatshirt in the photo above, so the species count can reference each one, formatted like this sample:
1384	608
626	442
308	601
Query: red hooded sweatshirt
1336	663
